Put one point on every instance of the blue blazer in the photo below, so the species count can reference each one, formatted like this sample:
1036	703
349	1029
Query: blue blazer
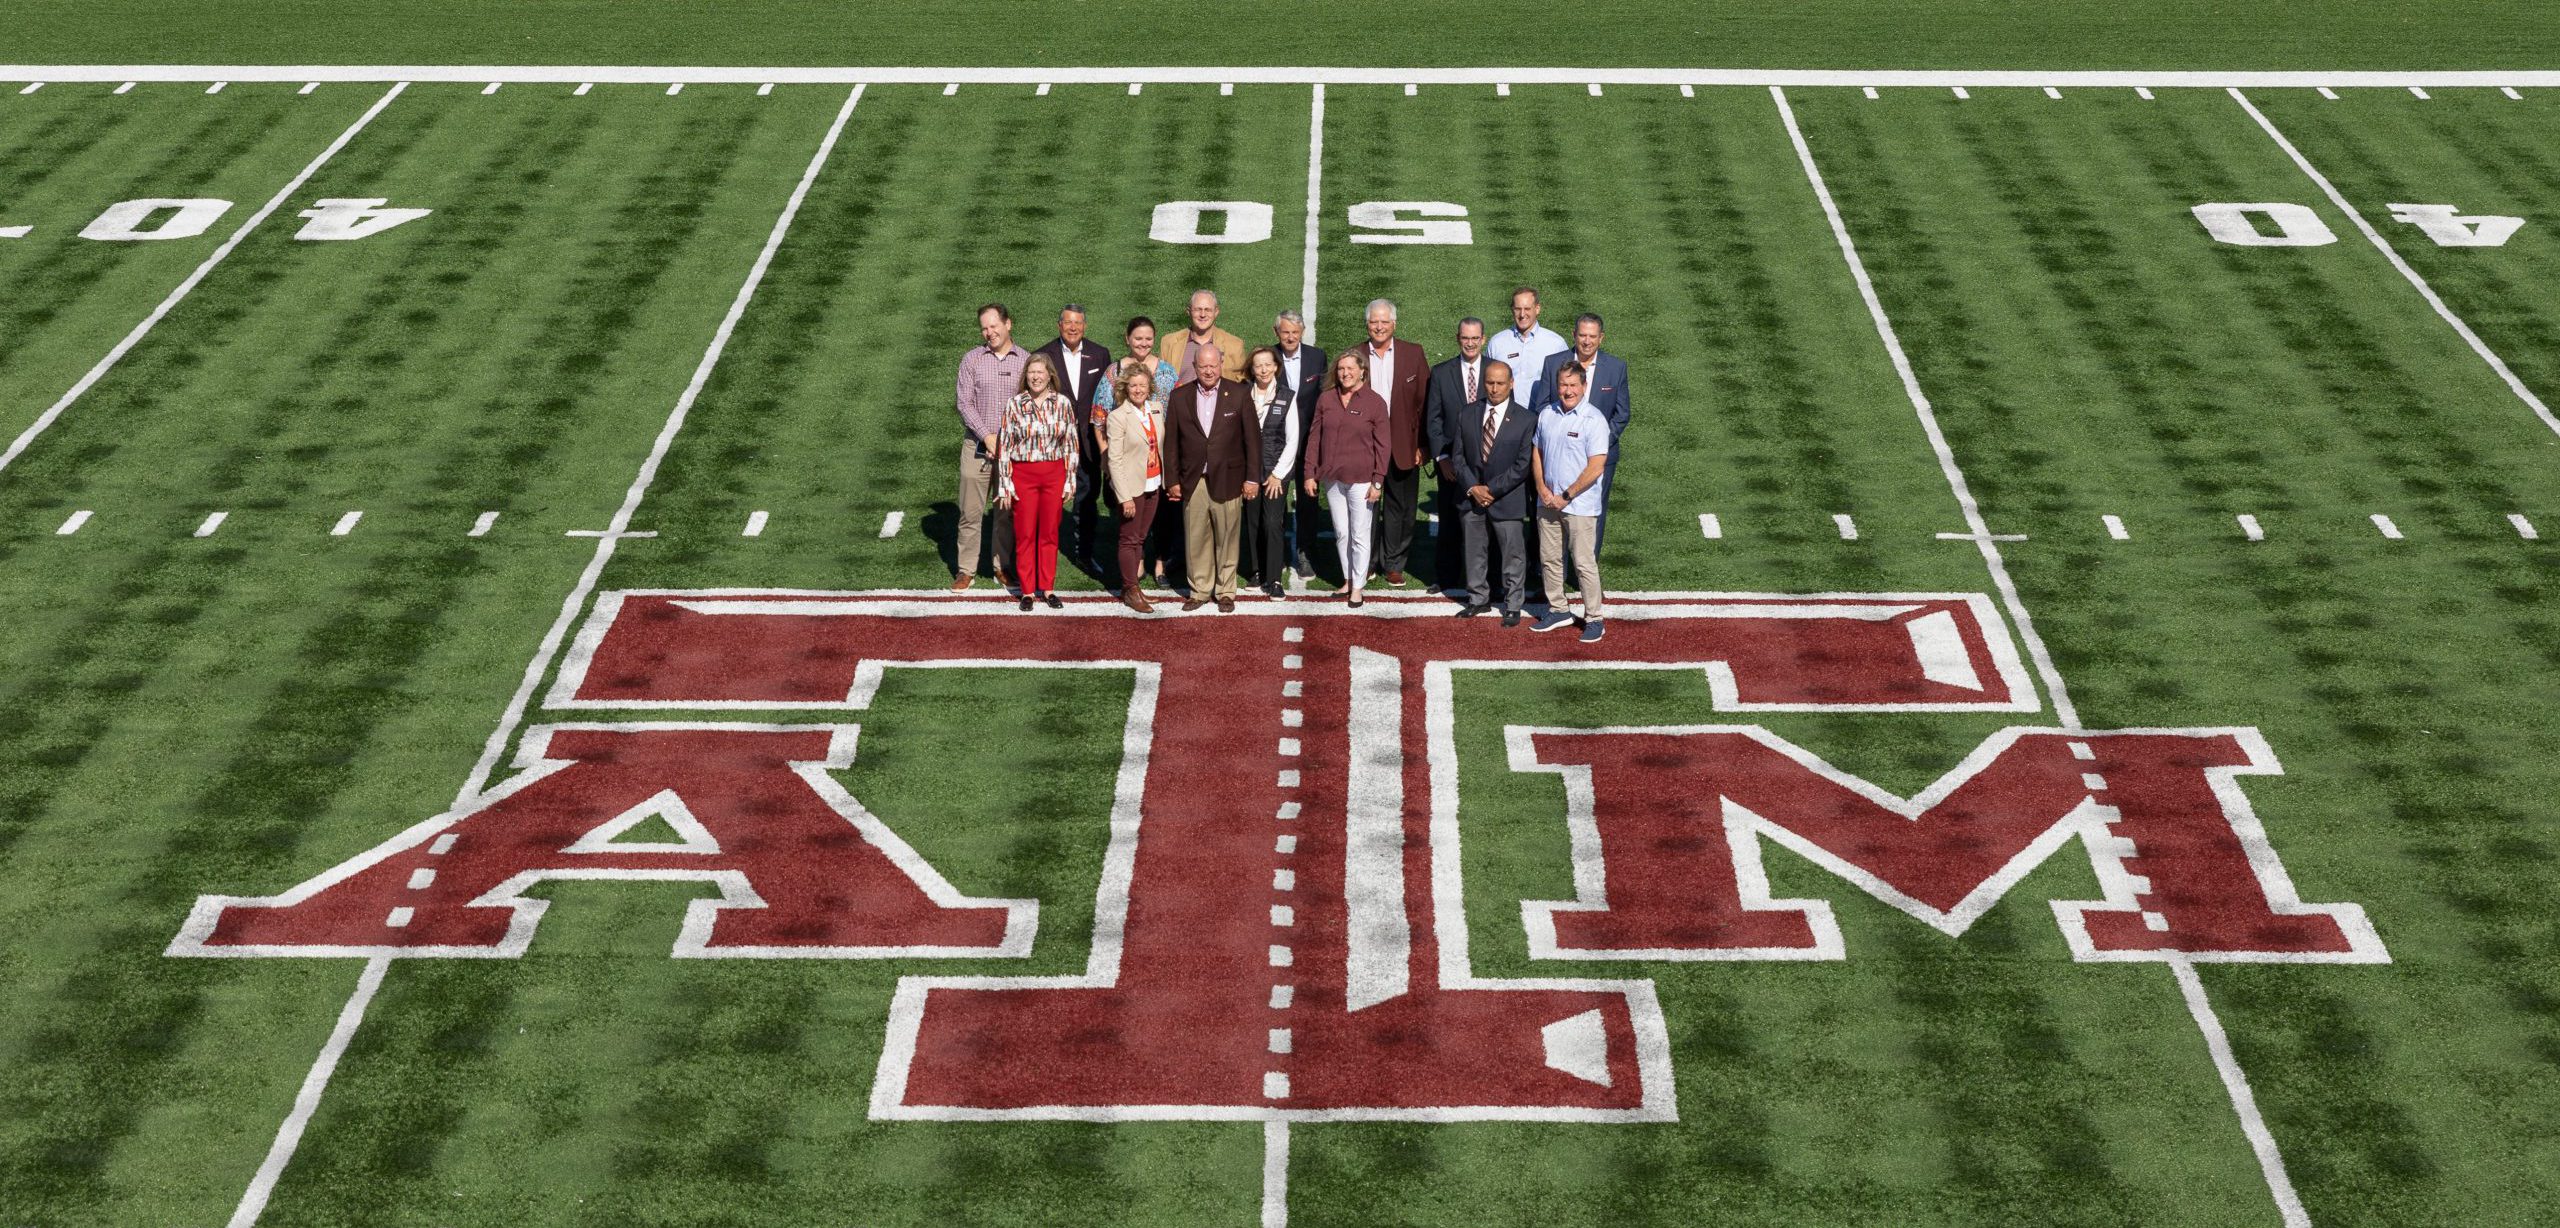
1609	396
1507	475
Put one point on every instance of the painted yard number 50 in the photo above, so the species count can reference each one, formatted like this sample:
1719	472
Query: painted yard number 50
1373	221
2280	224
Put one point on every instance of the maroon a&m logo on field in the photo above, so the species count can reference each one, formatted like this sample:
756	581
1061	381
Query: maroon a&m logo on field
1280	927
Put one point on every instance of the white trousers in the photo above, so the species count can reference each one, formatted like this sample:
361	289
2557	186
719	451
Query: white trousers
1352	519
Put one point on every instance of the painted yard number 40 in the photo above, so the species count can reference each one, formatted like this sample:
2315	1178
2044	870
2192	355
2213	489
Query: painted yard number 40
160	218
2281	224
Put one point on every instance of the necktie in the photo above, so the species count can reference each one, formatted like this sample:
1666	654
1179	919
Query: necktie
1471	381
1484	455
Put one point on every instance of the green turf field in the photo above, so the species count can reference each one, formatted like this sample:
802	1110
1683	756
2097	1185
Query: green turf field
641	311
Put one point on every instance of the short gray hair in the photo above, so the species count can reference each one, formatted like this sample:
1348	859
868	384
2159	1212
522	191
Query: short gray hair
1072	309
1195	297
1462	324
1375	304
1290	316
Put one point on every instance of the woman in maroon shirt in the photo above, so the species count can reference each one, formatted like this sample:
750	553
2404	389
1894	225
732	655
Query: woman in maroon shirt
1347	458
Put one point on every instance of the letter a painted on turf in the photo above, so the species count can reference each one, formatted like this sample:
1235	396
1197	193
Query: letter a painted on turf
798	868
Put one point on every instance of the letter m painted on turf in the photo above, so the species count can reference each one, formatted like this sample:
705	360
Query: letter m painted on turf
1668	827
791	865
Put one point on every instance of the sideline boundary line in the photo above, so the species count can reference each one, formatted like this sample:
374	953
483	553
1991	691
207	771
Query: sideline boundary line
2514	383
2235	1081
563	74
44	421
316	1083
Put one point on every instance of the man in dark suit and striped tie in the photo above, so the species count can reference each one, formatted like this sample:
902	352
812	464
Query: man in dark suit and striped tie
1491	440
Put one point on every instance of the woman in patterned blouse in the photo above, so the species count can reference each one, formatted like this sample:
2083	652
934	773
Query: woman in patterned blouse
1036	475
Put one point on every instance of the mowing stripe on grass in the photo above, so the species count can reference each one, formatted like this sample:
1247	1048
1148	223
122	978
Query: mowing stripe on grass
288	1136
2235	1080
45	421
2392	254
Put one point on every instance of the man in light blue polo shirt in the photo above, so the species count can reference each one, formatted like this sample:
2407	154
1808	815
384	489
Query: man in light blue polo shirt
1566	471
1525	346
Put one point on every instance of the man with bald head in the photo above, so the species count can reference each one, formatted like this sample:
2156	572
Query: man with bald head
1185	347
1212	463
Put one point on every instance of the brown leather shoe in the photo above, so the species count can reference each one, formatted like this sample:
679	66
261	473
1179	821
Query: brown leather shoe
1193	604
1395	579
1226	605
960	584
1136	600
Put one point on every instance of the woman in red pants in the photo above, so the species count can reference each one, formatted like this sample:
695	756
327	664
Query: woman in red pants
1036	475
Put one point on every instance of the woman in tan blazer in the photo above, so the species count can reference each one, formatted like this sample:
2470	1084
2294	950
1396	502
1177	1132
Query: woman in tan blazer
1134	454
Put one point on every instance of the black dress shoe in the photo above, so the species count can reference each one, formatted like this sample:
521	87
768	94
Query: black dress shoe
1470	610
1511	618
1052	600
1026	603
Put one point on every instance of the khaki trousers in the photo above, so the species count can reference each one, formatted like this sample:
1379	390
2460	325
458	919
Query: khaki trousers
1211	533
977	495
1558	531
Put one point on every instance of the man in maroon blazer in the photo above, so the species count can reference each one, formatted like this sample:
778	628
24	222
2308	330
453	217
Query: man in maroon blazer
1398	372
1212	456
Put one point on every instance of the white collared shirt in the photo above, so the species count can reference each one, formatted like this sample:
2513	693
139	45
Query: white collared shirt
1526	354
1382	371
1471	372
1291	364
1071	370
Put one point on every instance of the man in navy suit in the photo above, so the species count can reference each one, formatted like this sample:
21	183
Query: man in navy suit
1302	366
1604	376
1491	440
1082	366
1455	385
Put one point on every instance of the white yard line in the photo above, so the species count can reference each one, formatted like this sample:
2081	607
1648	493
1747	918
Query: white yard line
1275	1134
1956	483
1315	209
2243	1100
316	1083
1279	75
2235	1082
53	413
2479	347
1275	1173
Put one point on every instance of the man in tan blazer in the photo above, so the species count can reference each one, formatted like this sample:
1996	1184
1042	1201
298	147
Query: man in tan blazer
1182	349
1213	455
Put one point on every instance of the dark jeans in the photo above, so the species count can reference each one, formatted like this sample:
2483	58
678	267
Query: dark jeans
1397	498
1312	523
1133	537
1266	546
1084	540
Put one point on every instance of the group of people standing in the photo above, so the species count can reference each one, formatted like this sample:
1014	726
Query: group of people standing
1197	444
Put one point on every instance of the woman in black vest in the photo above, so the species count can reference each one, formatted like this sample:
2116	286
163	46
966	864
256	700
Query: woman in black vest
1266	550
